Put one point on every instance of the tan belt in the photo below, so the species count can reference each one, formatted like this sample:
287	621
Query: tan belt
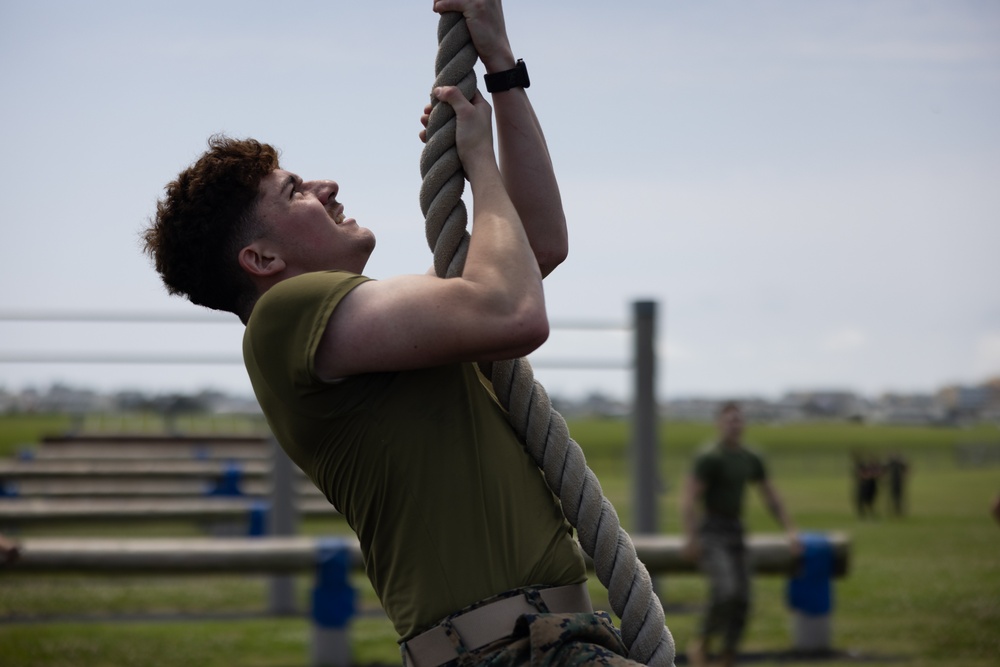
483	625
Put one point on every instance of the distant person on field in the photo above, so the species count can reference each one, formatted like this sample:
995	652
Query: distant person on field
995	508
712	510
873	479
869	470
897	470
858	485
9	551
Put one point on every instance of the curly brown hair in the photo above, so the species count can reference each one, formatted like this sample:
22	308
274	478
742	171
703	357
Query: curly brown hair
207	216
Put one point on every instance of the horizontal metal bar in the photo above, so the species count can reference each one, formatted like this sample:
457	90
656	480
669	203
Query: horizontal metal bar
207	317
589	325
232	359
34	511
660	554
204	317
580	364
48	468
116	358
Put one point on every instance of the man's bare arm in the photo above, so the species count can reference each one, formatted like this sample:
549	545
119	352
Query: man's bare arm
691	495
525	161
772	499
495	310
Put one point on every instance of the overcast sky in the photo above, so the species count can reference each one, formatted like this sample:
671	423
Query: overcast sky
810	191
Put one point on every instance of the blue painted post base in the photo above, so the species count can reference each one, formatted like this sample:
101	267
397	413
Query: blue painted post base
333	605
810	595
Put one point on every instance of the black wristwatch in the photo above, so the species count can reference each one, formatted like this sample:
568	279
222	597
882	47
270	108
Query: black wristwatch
512	78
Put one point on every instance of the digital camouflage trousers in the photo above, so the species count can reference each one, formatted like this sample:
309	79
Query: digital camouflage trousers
554	640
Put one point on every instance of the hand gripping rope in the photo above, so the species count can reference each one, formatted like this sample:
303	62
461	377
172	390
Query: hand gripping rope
542	429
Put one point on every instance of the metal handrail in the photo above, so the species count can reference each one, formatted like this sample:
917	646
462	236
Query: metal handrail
207	317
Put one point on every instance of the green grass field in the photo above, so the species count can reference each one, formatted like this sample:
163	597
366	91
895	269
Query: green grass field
923	590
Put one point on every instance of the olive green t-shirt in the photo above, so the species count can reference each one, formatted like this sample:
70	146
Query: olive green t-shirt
725	472
448	507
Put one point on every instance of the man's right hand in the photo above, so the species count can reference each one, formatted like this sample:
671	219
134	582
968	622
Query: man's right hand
485	21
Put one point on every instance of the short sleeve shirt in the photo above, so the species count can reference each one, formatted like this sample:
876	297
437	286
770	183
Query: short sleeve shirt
424	465
725	472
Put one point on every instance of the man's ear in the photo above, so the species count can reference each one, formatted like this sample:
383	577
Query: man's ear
259	261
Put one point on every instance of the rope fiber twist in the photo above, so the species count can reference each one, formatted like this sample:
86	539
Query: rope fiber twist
542	429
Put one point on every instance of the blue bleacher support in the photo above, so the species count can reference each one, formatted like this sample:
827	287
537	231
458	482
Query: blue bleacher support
229	483
258	518
8	489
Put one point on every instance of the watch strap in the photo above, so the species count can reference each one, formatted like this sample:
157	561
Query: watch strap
511	78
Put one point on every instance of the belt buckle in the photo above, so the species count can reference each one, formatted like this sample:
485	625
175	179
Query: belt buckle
489	623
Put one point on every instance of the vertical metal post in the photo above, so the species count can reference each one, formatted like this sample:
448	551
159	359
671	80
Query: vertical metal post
644	427
284	520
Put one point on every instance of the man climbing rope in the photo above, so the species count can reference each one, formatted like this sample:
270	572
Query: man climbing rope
369	385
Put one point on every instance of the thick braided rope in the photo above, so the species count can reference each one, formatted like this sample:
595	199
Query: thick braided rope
543	430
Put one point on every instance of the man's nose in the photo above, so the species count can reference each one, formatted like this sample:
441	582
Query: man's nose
324	190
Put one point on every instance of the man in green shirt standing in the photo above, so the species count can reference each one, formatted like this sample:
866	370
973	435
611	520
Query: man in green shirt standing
712	510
